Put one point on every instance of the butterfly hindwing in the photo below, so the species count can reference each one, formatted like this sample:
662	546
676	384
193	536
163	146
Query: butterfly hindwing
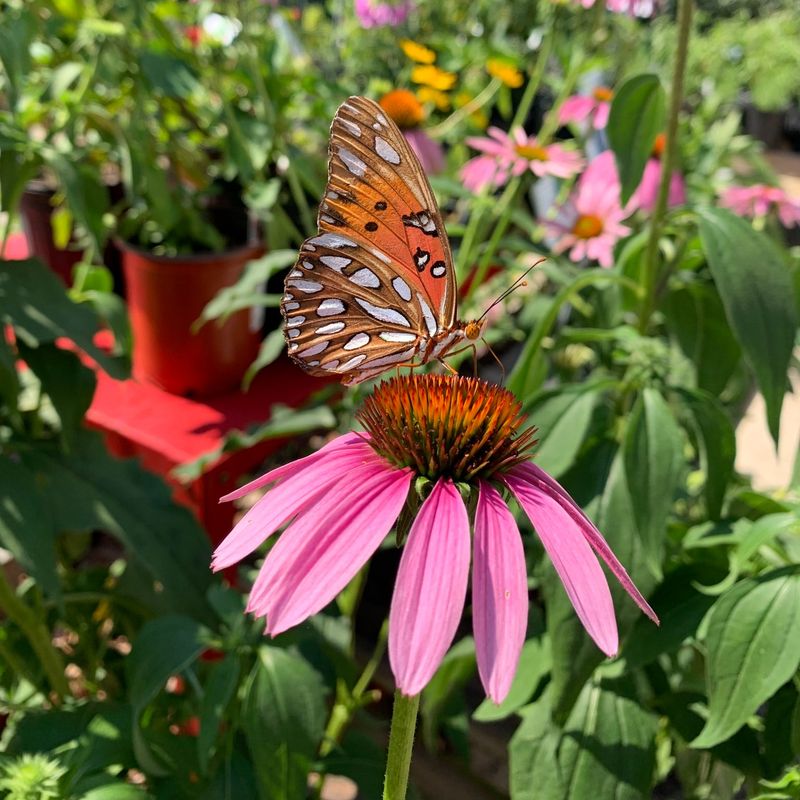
377	281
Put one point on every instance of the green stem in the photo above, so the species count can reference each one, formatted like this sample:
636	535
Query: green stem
300	198
477	102
401	743
37	635
651	259
529	95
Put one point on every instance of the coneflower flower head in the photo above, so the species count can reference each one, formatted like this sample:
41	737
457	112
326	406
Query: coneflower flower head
341	502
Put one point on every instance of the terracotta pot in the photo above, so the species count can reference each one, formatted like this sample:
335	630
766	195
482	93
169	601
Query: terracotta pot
166	296
36	209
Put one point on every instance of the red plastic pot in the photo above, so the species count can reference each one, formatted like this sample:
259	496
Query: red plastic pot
166	296
36	211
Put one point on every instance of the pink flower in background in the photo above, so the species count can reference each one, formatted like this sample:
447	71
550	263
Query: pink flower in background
342	501
633	8
429	152
589	224
507	155
374	14
645	195
594	107
759	199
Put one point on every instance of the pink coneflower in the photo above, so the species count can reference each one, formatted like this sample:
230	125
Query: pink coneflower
646	193
433	436
507	155
759	199
373	14
594	107
406	111
589	224
633	8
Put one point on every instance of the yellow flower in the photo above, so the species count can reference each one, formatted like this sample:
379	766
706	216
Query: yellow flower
505	72
403	108
417	52
427	95
434	77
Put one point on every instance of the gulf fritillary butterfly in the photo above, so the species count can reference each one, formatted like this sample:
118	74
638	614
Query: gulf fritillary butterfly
375	288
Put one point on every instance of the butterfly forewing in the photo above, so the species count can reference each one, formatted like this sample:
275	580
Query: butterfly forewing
377	281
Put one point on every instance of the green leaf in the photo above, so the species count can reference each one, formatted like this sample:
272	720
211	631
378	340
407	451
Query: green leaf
653	451
168	74
534	663
756	289
697	320
16	169
165	646
681	608
250	287
9	383
33	301
717	444
16	36
68	383
562	418
534	770
223	679
86	197
87	489
61	223
636	118
753	646
26	526
440	697
270	349
283	718
608	747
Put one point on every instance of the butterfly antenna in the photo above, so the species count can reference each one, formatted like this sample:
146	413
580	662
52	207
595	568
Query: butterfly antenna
519	282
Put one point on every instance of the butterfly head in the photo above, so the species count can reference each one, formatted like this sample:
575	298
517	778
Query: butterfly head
473	329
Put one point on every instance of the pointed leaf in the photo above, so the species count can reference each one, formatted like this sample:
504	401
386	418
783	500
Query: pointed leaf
653	461
636	118
755	286
753	645
283	718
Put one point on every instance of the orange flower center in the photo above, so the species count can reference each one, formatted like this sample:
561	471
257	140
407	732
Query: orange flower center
603	94
447	426
658	145
403	108
532	152
588	226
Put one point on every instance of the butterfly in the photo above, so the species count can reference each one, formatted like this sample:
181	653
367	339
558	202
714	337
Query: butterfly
375	288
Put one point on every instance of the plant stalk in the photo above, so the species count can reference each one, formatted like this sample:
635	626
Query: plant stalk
651	262
401	743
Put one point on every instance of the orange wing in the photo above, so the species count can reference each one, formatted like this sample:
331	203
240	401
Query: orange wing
377	281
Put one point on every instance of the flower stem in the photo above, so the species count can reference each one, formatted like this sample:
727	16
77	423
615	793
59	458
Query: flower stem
651	259
401	742
38	637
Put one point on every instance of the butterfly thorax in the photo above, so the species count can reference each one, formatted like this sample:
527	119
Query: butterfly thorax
439	345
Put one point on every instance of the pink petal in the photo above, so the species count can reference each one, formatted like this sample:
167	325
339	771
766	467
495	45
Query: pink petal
576	564
539	477
429	152
483	171
499	593
601	115
488	146
293	467
290	497
320	553
576	108
430	589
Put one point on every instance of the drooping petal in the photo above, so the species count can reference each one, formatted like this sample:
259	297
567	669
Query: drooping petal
601	115
499	593
537	476
430	590
576	108
429	151
290	497
319	554
573	558
285	470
